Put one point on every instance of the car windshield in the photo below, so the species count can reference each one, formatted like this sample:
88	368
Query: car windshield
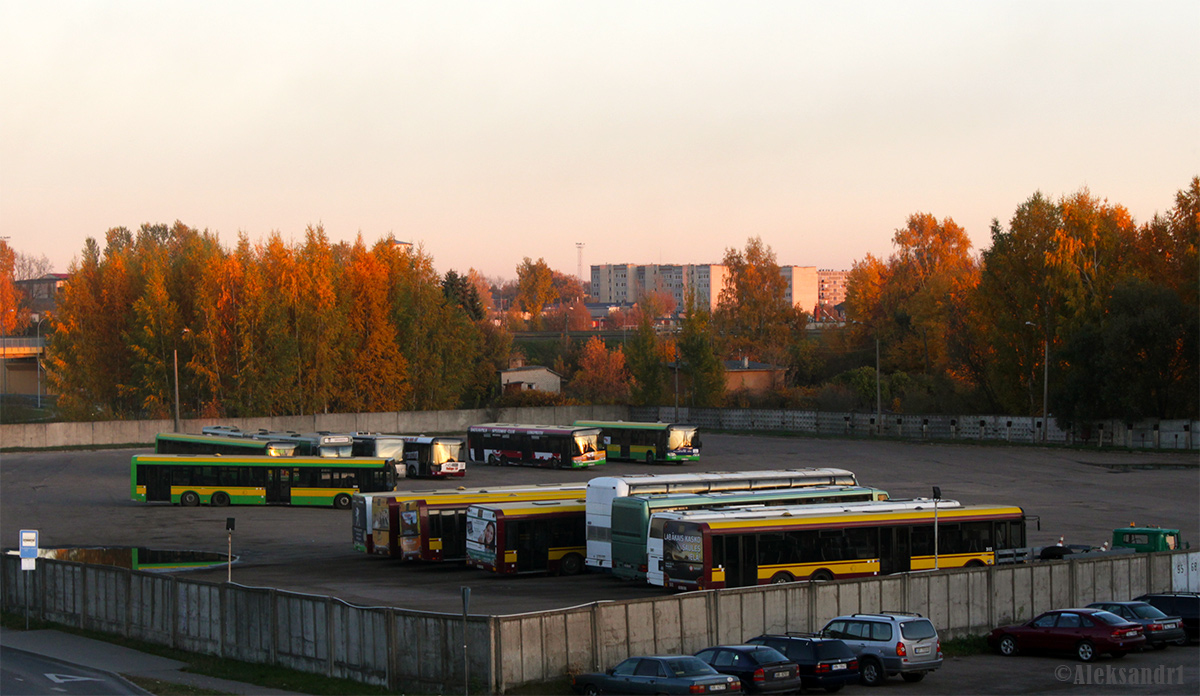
1109	618
833	650
767	654
917	630
1145	611
689	667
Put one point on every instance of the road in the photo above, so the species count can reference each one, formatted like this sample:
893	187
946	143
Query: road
82	499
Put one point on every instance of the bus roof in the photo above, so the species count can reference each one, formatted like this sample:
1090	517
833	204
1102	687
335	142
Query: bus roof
634	481
657	500
224	439
512	428
534	507
631	425
754	512
459	492
852	516
248	460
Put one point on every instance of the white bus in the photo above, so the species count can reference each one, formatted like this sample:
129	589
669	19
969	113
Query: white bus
601	491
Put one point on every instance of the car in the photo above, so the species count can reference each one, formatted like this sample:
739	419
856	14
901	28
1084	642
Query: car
824	663
1185	605
657	674
1158	628
761	669
888	643
1087	633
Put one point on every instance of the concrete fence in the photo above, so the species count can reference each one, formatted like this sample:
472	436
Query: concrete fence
1150	434
423	651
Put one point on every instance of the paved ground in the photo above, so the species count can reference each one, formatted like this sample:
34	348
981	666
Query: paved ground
83	499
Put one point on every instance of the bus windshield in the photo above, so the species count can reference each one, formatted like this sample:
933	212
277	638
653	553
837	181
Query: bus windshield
678	438
585	444
336	451
446	452
389	449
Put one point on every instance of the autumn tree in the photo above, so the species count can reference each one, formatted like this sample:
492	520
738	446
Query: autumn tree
647	367
376	375
753	311
462	292
535	282
699	359
602	377
13	317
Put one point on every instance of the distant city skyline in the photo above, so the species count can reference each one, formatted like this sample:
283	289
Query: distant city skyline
650	133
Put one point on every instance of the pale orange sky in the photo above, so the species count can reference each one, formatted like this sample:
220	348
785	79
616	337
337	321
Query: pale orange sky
651	132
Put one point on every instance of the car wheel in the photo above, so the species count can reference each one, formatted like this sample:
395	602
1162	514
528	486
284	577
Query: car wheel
871	673
780	578
189	499
571	564
1085	651
1008	646
219	499
821	576
591	690
912	677
341	501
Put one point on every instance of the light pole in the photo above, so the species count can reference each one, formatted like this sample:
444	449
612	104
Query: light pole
40	350
1045	380
175	355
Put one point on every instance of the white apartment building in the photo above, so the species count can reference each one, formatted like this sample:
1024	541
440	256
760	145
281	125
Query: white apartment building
624	283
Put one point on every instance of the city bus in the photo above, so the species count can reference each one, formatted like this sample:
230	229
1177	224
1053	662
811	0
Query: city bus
538	536
434	527
434	457
558	446
632	558
603	490
190	443
220	480
672	443
328	445
705	549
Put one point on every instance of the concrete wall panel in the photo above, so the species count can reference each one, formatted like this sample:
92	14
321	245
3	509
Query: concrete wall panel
1041	598
639	619
533	646
1022	593
668	627
697	630
580	647
754	619
729	616
776	610
613	633
957	601
870	596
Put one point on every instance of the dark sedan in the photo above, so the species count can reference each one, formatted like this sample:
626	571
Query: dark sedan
1159	628
657	674
762	669
1084	632
825	663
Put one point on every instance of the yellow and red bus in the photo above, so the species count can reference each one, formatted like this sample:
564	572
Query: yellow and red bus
555	446
537	536
433	526
705	549
220	480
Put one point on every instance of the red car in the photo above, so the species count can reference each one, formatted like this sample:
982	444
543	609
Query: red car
1084	632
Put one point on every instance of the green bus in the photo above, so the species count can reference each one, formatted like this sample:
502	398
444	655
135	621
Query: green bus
188	443
631	516
673	443
220	480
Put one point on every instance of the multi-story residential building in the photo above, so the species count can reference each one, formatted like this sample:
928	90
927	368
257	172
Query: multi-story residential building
801	286
831	292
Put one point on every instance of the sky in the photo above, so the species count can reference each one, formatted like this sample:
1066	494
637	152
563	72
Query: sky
647	132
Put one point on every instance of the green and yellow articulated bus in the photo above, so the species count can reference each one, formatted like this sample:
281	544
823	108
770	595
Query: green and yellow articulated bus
219	480
670	443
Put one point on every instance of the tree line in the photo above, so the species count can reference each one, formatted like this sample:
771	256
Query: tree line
1072	298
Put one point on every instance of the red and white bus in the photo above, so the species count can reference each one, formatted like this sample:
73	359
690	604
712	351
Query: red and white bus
539	536
555	446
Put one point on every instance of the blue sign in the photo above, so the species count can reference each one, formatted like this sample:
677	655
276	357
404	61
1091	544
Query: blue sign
29	543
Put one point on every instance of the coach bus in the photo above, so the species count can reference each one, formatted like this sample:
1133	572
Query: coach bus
631	517
434	526
220	480
189	443
538	536
703	549
603	490
672	443
558	446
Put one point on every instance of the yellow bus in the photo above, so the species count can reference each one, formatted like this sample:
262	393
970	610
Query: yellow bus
537	536
704	549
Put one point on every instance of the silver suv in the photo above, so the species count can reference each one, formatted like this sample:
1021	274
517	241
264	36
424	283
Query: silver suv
888	643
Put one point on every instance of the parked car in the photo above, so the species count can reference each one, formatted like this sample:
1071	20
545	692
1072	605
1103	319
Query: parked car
824	663
1158	628
888	643
1085	632
762	670
657	674
1185	605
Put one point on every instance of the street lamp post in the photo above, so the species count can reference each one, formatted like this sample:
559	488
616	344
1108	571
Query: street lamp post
39	359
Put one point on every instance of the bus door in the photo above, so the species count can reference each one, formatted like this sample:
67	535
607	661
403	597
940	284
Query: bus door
895	554
741	560
623	439
279	485
533	546
158	483
454	534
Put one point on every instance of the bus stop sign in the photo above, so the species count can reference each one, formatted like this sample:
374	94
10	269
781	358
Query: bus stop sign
29	548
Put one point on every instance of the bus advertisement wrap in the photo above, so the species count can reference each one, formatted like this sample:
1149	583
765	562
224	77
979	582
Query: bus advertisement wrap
683	548
481	536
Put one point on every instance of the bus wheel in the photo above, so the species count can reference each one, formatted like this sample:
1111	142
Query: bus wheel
650	457
975	563
341	501
493	460
411	472
780	578
189	499
219	499
571	564
503	460
821	576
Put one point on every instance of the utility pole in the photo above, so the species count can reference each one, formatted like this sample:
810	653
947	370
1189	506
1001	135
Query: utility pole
579	261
